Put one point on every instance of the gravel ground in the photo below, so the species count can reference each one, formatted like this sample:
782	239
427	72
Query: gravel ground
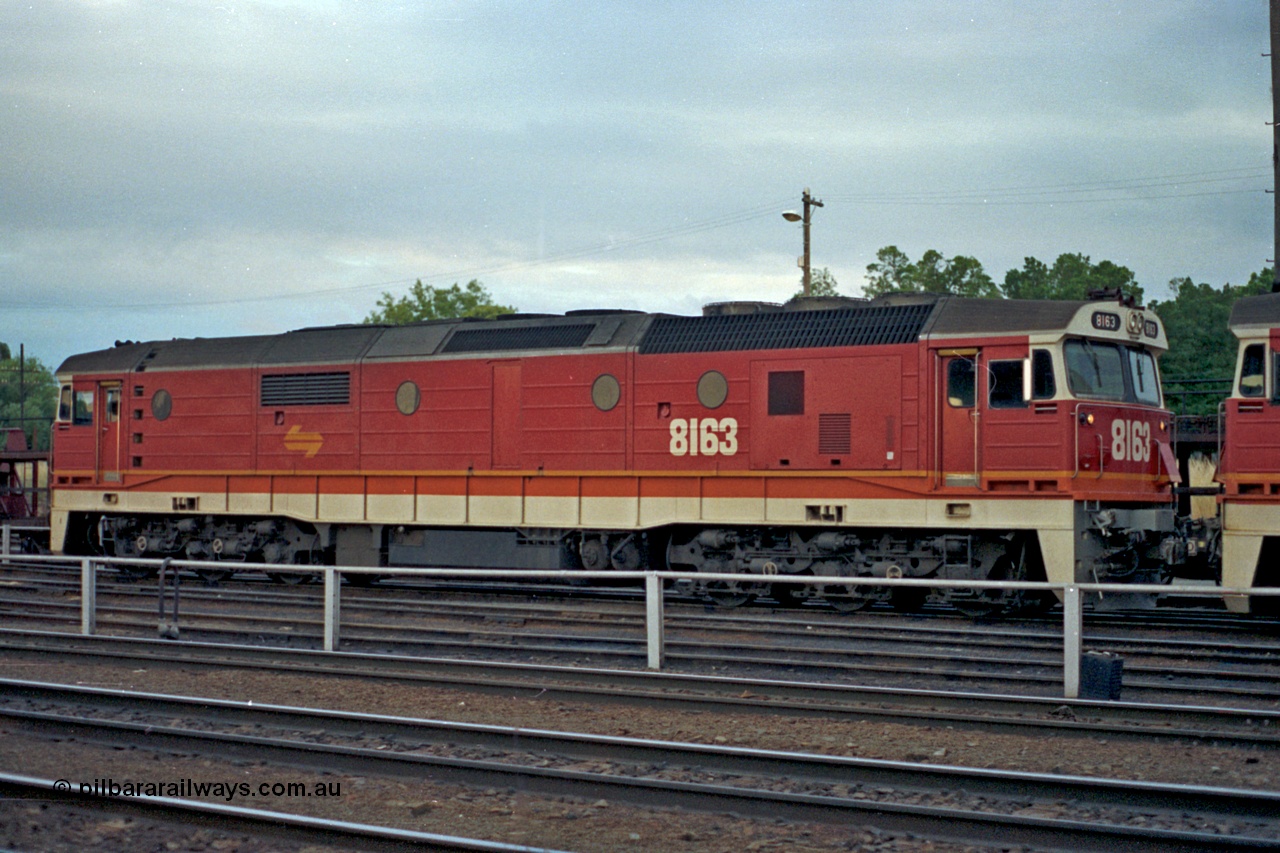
514	817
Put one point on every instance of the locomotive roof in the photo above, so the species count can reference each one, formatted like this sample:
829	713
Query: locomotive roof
1261	311
893	319
990	316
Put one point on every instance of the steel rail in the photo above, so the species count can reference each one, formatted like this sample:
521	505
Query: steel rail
257	822
1250	727
1210	804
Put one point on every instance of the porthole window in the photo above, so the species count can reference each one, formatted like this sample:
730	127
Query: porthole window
713	389
408	398
605	392
161	404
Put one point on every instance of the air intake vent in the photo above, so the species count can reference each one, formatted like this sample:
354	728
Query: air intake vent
306	389
519	338
840	327
834	434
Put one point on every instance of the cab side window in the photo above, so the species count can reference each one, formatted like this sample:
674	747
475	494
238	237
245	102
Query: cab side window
82	408
960	386
1275	366
1253	380
1004	389
1043	386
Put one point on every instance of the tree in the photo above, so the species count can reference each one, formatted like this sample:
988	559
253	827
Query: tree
821	283
1072	276
425	302
28	397
933	273
1200	344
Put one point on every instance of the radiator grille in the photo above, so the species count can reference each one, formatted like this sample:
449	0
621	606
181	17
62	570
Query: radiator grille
834	434
306	389
519	338
837	327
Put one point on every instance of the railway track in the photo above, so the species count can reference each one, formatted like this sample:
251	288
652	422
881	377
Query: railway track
1017	714
283	831
952	803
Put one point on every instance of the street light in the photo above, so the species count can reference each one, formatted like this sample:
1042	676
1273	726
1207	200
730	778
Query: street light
791	216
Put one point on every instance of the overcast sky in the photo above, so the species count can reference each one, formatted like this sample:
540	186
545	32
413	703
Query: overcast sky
192	169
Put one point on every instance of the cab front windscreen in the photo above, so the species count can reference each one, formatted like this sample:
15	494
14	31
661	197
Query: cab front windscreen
1106	371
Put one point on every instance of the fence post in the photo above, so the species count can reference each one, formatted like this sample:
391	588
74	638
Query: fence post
653	619
4	544
1072	625
332	607
166	629
88	597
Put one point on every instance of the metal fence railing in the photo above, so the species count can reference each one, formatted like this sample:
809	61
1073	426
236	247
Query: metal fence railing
1073	595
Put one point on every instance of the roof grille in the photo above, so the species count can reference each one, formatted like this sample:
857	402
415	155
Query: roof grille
306	389
519	338
839	327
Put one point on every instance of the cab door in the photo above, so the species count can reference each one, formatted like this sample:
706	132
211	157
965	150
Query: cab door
107	419
958	420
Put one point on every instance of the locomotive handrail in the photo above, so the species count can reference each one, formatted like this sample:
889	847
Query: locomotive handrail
1072	593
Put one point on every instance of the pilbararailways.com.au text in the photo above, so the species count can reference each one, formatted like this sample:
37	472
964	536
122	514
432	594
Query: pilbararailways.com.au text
190	788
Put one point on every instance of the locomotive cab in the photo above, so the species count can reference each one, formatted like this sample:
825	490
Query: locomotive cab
1071	416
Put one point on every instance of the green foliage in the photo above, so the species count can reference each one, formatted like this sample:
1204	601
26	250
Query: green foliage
425	302
1200	344
1070	277
27	390
960	276
821	283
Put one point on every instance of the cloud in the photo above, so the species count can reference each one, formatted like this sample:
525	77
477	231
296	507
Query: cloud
168	167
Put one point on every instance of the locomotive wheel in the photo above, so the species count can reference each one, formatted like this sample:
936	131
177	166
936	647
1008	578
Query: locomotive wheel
136	573
1036	603
786	594
847	599
732	593
991	602
291	578
212	576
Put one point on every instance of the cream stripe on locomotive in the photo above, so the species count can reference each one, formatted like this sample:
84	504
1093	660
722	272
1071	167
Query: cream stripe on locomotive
1244	527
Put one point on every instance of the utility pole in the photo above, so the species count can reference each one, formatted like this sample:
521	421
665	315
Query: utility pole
1275	143
809	203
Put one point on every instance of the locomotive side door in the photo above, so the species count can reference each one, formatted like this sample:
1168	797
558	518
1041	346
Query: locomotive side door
506	426
958	418
108	422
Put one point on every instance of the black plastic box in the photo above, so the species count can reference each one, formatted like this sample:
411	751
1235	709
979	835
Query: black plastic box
1100	675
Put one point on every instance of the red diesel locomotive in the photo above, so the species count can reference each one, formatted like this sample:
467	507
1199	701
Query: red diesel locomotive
906	436
1250	465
